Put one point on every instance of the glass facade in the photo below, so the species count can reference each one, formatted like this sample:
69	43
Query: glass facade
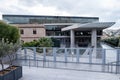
86	33
26	19
82	37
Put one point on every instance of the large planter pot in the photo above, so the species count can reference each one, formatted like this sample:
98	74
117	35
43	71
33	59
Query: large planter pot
9	75
15	73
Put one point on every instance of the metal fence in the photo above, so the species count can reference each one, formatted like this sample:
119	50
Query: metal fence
105	60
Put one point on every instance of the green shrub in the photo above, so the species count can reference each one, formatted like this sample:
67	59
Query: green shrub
56	42
114	41
42	42
8	32
30	44
45	42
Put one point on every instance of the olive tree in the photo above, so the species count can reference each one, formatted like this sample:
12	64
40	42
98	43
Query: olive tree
9	35
12	49
8	49
3	47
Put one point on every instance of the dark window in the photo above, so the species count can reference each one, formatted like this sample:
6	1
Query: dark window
99	32
34	31
21	31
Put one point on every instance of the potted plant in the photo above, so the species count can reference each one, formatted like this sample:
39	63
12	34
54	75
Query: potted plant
12	72
17	69
4	74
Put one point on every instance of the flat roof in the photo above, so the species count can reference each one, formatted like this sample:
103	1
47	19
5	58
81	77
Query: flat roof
89	26
11	15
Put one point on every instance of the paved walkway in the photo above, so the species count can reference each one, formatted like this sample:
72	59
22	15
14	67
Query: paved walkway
34	73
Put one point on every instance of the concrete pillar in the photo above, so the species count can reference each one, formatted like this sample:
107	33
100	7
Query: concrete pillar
94	41
72	38
94	38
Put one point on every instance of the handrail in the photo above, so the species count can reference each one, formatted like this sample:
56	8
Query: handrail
59	47
37	59
111	64
28	55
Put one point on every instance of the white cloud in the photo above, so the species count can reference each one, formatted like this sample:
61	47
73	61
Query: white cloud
106	10
116	26
21	7
0	16
45	10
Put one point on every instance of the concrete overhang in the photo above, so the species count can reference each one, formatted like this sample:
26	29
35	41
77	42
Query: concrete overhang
89	26
29	25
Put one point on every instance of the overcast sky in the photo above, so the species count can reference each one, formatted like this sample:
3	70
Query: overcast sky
106	10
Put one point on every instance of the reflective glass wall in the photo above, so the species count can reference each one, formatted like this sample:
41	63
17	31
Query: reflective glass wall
82	37
15	19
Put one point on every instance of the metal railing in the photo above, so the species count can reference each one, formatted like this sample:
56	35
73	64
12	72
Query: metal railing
114	67
76	54
44	57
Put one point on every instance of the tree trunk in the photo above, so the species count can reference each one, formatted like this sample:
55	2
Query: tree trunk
10	60
2	64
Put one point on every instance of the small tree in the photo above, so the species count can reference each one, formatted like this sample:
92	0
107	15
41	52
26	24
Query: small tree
8	37
12	49
7	49
2	52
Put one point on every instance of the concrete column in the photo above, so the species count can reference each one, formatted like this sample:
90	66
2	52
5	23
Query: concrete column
72	38
94	38
94	42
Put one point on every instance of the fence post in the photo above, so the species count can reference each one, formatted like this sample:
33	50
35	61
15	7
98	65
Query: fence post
103	57
44	52
77	55
54	54
44	56
18	53
65	54
90	55
117	61
25	52
34	55
34	49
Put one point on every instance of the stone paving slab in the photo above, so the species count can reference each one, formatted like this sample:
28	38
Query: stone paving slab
33	73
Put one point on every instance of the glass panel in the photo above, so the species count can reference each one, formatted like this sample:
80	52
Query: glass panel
47	19
60	54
